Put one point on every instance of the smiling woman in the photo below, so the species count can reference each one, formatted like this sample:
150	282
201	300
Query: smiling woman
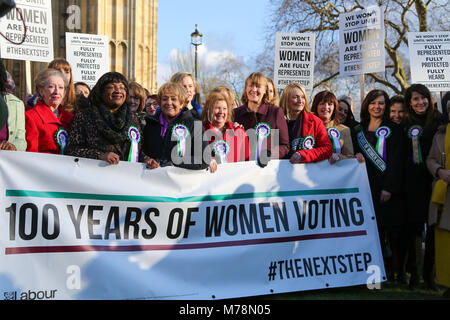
420	124
47	122
172	132
325	105
109	130
229	144
258	114
308	138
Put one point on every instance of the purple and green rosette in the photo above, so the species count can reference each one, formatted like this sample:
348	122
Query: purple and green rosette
60	137
334	134
221	149
263	131
134	136
180	132
382	134
414	133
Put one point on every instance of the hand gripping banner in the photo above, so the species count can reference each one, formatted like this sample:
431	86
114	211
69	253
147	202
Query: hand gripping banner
81	229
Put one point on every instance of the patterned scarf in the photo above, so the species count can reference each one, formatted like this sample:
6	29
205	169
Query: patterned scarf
113	126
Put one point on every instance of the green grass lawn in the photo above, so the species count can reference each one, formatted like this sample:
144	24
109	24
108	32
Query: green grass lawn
388	291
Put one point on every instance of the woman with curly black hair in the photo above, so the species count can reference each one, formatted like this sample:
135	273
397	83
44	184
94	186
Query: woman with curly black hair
108	130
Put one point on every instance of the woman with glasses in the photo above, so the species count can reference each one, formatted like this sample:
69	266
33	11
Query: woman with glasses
137	97
108	130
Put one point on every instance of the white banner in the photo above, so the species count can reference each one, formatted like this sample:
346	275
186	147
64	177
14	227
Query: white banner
361	42
88	54
294	60
429	56
38	44
80	229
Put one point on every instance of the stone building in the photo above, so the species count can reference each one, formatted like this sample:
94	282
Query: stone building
131	26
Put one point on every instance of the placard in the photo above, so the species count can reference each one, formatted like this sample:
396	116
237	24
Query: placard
429	55
361	42
88	54
38	44
294	60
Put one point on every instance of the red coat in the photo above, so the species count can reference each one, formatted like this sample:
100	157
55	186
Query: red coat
41	126
240	147
322	149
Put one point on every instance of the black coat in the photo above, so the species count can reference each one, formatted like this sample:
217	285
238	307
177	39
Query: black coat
418	179
161	148
389	213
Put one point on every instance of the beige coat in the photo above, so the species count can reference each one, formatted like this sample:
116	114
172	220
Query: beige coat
436	160
345	140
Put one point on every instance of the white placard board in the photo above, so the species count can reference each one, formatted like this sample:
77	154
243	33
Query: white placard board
294	60
429	55
88	54
38	44
361	42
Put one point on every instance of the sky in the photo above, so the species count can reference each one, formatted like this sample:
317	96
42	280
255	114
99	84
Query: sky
228	27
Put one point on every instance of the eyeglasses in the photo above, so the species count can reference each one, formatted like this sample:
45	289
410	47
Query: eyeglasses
111	87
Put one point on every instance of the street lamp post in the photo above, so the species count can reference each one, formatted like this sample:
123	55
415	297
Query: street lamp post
196	40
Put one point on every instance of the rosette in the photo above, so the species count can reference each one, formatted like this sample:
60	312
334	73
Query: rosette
263	131
134	136
308	142
382	134
61	136
180	132
334	134
414	134
221	149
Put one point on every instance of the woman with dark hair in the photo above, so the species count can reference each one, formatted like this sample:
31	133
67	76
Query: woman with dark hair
419	127
396	109
4	144
380	142
345	112
325	105
12	131
108	130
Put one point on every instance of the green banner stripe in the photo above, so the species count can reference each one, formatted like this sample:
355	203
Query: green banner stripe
130	198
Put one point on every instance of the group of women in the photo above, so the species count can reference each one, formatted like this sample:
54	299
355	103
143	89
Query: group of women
393	138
